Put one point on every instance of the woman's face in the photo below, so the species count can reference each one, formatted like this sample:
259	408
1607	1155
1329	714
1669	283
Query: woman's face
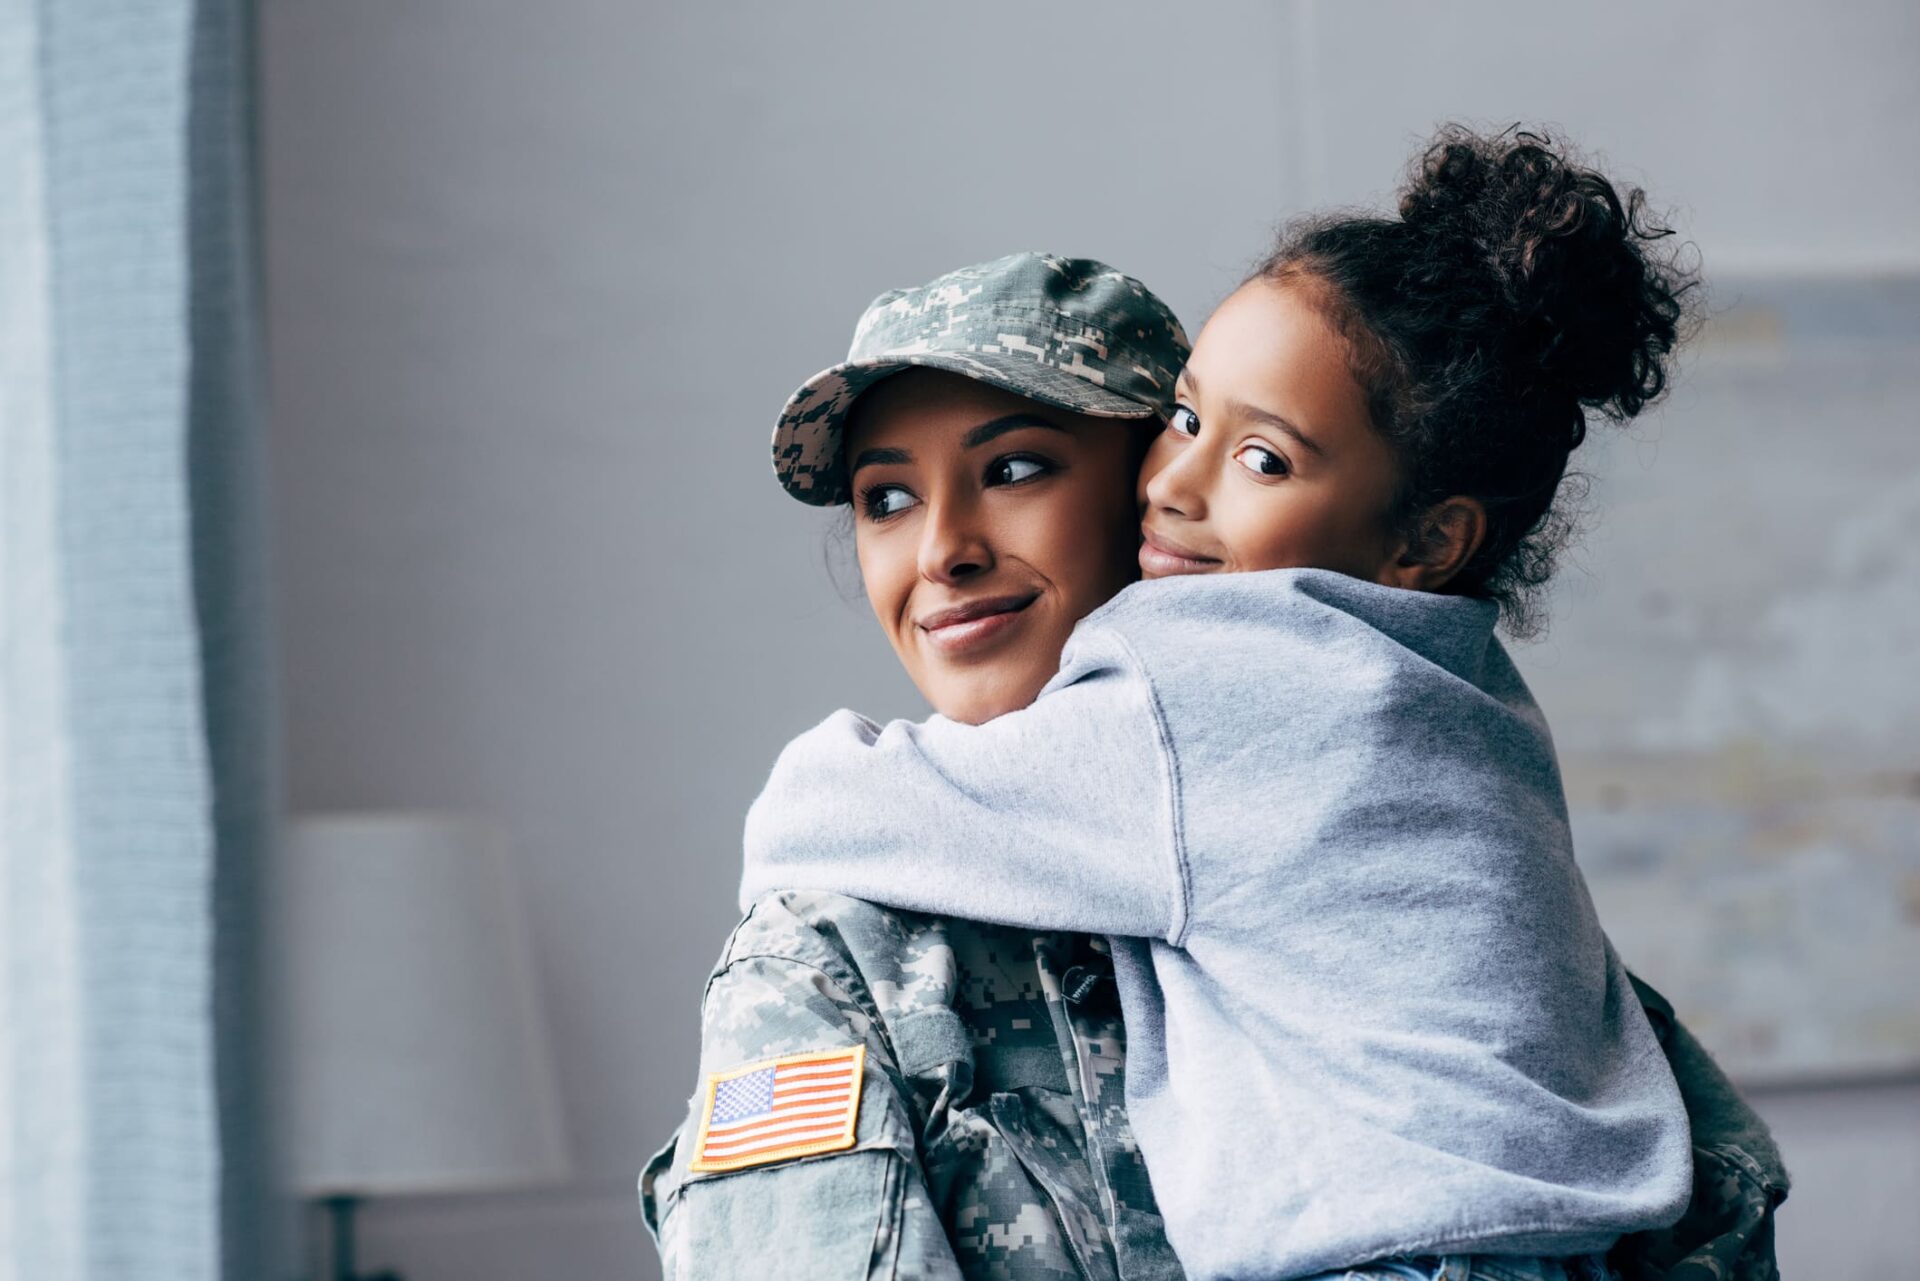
1270	460
987	525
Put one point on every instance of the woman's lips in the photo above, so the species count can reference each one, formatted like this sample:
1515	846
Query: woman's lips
976	624
1160	556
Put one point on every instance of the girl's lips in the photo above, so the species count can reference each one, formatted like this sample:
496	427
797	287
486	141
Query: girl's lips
1160	558
973	626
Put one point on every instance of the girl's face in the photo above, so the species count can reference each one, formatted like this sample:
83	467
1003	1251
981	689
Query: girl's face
1270	460
986	525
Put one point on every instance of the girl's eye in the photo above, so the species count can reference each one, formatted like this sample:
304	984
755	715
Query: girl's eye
1184	421
882	501
1015	468
1262	461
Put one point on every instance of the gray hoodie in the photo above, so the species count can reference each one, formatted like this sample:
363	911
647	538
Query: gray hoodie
1370	1009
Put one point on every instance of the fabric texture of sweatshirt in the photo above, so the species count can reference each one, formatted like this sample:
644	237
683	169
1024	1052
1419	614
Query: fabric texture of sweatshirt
1370	1008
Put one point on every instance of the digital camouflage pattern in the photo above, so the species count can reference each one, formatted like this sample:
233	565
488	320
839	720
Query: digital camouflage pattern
1068	332
1739	1180
993	1138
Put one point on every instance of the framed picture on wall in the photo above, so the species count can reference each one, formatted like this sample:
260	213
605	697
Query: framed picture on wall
1731	674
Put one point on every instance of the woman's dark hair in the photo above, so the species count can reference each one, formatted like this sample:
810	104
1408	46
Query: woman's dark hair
1516	291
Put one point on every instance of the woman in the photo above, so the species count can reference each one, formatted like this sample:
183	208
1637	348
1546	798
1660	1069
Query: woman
974	1152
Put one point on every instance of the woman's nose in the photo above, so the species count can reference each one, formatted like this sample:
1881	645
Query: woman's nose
953	545
1175	477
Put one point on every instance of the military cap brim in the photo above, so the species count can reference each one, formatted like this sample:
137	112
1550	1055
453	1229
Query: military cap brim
807	442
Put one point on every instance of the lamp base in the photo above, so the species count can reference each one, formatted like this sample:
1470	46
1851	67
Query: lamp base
340	1210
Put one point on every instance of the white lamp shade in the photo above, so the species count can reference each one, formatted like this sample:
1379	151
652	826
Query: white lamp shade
412	1048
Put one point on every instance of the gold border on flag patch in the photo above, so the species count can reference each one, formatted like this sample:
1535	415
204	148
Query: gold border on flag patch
808	1104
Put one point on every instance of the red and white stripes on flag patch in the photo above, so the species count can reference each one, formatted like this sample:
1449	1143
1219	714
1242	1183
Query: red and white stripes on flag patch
797	1105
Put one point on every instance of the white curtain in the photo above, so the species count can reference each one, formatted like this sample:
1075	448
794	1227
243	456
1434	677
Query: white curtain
134	764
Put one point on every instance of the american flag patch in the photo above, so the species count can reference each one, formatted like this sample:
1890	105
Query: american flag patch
798	1105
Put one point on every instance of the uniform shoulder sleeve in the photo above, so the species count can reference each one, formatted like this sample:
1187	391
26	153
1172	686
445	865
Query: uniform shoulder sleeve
791	1044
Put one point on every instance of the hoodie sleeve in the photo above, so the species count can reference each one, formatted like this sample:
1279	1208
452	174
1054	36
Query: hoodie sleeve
1059	816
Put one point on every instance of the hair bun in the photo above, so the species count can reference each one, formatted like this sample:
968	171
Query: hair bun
1592	312
1516	292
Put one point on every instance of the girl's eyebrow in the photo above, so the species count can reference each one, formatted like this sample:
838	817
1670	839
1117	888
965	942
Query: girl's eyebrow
876	457
1272	419
1244	410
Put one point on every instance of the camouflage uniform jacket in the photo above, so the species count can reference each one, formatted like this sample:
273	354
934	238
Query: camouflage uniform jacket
1739	1181
992	1138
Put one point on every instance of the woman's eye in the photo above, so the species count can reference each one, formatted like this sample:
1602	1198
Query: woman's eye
1262	461
1015	468
882	501
1184	421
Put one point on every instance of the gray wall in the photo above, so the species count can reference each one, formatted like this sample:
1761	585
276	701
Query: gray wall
539	277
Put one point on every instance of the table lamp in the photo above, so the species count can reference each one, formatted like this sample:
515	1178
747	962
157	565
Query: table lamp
411	1046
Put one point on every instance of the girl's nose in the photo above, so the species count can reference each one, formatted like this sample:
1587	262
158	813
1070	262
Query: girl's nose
1177	480
953	544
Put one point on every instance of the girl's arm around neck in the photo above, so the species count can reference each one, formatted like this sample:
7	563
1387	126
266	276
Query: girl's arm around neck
1060	816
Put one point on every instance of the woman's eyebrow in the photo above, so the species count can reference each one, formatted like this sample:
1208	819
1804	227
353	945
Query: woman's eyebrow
1001	426
876	457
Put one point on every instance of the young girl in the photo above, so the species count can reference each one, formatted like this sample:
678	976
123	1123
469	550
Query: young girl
1374	1019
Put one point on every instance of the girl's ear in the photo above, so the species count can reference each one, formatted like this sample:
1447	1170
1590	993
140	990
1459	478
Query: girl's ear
1444	540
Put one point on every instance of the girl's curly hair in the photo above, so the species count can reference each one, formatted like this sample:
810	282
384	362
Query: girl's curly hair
1515	292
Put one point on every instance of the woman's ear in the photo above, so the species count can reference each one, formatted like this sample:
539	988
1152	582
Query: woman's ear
1444	540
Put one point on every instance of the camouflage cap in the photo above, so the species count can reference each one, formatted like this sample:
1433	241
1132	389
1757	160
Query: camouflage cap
1068	332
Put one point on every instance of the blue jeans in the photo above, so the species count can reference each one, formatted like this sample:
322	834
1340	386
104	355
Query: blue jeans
1475	1267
